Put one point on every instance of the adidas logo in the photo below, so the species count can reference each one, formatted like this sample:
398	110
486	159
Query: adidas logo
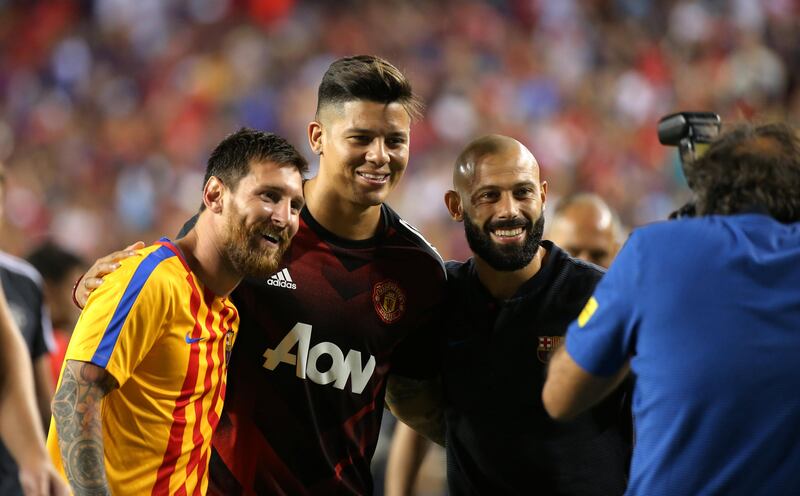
282	279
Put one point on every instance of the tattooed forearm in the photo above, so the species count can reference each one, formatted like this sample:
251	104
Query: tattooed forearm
76	410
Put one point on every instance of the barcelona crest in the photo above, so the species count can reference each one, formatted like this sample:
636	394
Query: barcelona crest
389	300
547	345
228	345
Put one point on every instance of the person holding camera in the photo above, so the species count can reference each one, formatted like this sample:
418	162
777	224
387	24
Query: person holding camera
705	312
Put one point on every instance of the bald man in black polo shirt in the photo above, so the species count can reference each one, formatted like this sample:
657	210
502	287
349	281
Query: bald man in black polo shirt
508	309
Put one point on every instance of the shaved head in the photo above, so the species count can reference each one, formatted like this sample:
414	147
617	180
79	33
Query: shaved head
588	206
585	226
491	145
500	198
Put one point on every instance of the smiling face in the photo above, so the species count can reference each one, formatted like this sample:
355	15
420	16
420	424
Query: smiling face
261	215
363	147
501	203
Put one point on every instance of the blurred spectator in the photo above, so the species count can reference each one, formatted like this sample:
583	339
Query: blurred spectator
108	108
59	269
586	228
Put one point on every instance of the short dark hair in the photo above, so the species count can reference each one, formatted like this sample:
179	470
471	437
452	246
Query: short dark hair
230	161
54	262
367	77
750	168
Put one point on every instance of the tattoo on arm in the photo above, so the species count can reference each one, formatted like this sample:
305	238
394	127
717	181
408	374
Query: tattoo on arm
76	409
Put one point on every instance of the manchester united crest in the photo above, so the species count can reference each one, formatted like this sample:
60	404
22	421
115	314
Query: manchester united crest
547	345
389	300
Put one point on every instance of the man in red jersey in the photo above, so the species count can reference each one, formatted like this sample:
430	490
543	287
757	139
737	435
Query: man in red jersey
352	303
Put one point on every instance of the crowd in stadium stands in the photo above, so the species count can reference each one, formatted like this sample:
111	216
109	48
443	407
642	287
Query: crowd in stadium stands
109	108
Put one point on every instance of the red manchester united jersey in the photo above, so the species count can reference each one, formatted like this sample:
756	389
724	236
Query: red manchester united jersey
317	340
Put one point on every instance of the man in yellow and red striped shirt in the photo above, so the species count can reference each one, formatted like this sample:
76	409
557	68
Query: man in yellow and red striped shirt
143	383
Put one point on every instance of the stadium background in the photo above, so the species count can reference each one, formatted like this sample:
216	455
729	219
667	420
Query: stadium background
109	108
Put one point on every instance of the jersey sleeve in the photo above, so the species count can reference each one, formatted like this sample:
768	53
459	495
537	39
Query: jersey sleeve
124	317
603	337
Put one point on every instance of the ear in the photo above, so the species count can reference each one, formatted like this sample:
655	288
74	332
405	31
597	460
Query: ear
315	137
543	194
212	194
453	202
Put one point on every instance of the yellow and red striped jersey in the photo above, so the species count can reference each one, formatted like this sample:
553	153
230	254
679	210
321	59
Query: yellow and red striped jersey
165	338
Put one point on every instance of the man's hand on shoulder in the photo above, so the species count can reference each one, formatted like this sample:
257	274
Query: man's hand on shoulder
103	266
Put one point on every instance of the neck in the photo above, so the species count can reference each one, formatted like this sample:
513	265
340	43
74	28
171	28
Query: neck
341	217
203	253
502	285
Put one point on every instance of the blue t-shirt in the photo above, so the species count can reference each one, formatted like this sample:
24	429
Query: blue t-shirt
708	310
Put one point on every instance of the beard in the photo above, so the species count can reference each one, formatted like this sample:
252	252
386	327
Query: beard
504	258
244	250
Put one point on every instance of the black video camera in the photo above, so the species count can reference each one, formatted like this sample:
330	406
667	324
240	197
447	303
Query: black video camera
691	132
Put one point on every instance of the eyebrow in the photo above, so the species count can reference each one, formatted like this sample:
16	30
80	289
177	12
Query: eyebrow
360	130
513	186
283	192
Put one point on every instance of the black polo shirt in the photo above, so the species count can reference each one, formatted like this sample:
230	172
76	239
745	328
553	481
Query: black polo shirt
500	440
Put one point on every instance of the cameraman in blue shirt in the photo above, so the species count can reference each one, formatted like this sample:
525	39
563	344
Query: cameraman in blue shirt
705	312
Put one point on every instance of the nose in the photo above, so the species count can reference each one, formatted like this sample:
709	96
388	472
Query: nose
507	207
377	152
281	213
